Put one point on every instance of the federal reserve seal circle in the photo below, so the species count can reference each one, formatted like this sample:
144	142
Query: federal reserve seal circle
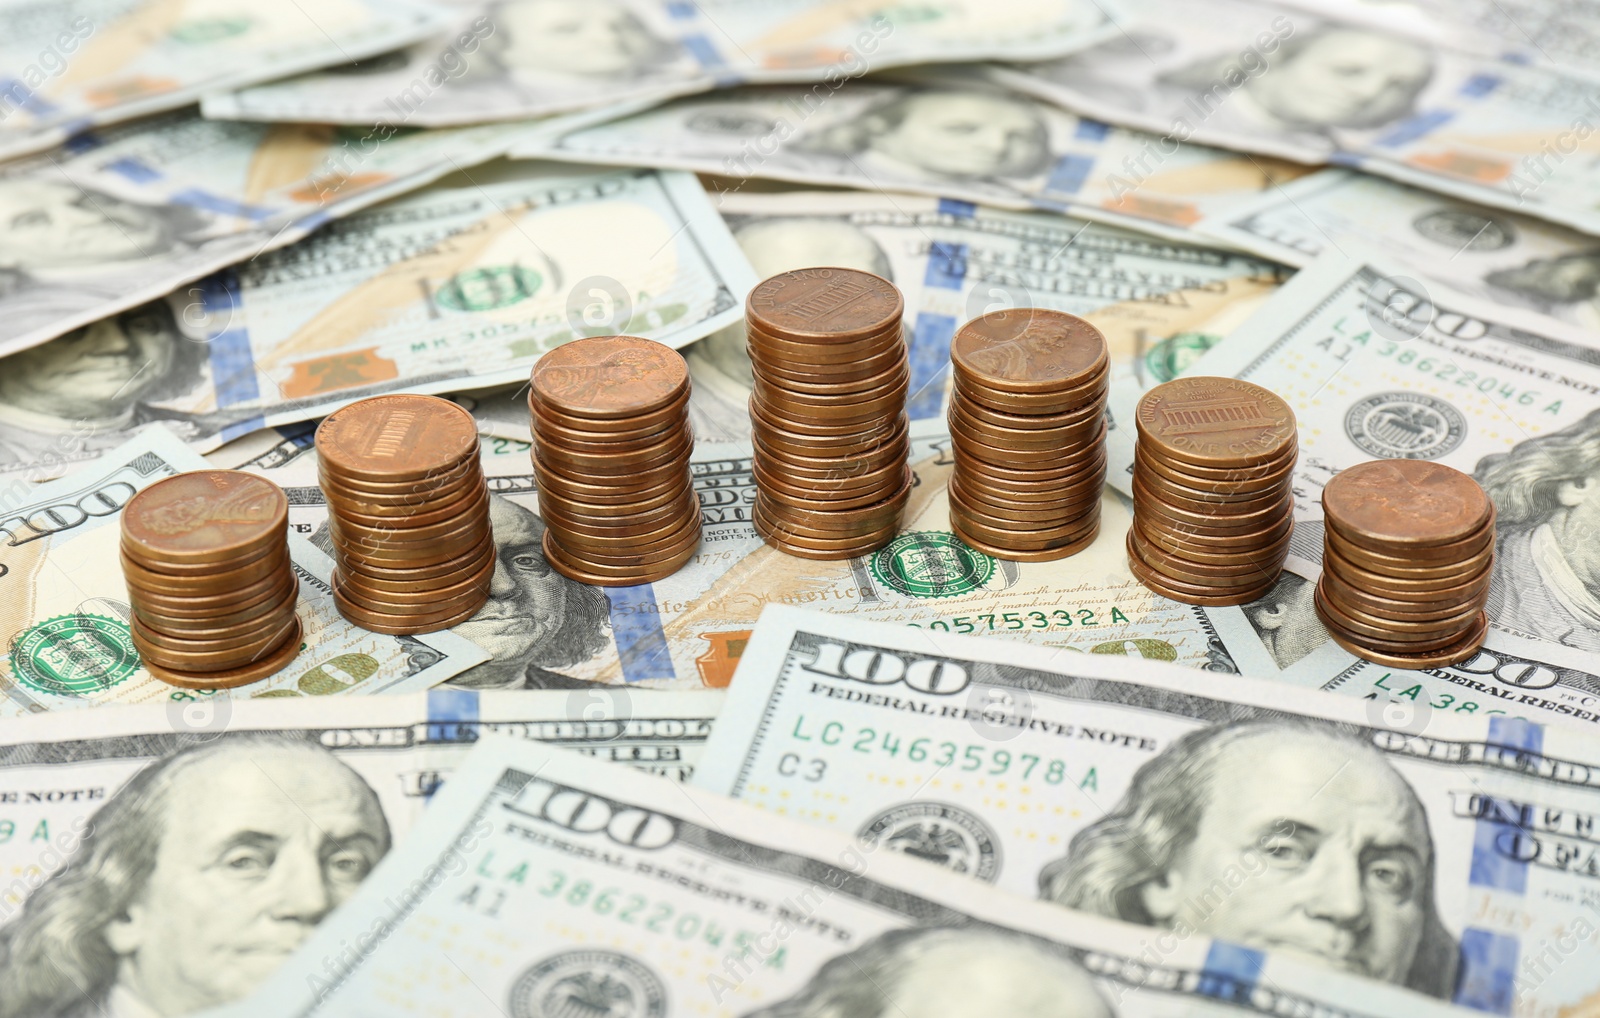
1405	425
931	564
75	655
939	833
601	983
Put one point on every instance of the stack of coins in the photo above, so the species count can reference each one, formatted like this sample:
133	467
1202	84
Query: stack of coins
828	411
1027	423
611	445
1212	504
206	558
408	511
1408	549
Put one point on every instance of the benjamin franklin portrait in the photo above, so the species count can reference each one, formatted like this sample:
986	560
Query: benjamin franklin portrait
938	970
579	38
1546	492
196	880
1286	835
1566	286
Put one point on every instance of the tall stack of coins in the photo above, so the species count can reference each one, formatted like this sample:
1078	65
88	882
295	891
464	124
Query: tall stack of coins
1027	423
206	558
1212	505
1408	549
828	411
408	511
611	445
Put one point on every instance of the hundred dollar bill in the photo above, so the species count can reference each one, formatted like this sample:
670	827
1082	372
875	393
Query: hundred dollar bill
543	885
73	64
543	630
1377	365
1454	858
1484	252
66	625
951	135
1258	78
464	284
1159	302
519	58
220	834
120	217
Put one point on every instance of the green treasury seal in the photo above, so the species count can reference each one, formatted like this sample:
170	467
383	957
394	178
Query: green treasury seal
75	655
931	563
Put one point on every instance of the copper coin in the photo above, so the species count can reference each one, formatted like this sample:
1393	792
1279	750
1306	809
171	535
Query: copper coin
619	429
574	516
1382	606
630	556
421	482
1189	593
1182	548
609	377
395	555
804	546
1050	484
826	526
1388	636
396	438
205	516
1030	440
870	441
762	332
205	661
1417	556
342	500
163	623
1207	479
1023	457
1215	422
1417	591
806	500
1049	554
603	465
1027	430
219	581
855	372
1024	421
1453	654
484	562
1052	518
1014	533
780	419
580	543
261	632
824	304
410	528
598	495
773	356
476	576
604	576
1253	567
824	386
1401	569
1216	541
472	518
811	463
1387	504
354	563
1088	488
1029	349
1183	493
1214	515
215	604
1281	497
584	484
398	625
470	598
890	402
436	514
270	663
617	515
847	475
600	441
896	499
1053	404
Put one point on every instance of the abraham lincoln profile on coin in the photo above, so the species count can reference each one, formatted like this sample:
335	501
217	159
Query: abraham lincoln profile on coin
1285	835
948	970
1546	491
194	882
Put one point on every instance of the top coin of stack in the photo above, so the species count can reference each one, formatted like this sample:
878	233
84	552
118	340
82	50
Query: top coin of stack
611	446
206	558
1408	550
827	413
1027	424
1212	503
408	511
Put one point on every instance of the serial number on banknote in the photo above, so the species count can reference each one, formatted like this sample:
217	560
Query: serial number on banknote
972	758
1080	618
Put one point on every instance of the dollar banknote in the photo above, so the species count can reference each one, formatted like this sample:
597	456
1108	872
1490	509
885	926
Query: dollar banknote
463	284
1160	303
1449	858
66	625
519	58
1378	365
222	833
74	64
1261	78
120	217
544	885
951	135
1488	253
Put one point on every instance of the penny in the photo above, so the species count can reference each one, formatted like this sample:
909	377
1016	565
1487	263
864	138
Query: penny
827	526
882	401
1192	593
824	304
845	480
1075	503
1190	572
465	513
1210	488
827	450
1049	554
469	523
1087	459
469	599
1090	490
1029	349
570	515
984	529
398	625
849	546
609	377
1281	498
598	495
270	663
205	516
1350	596
785	498
1422	591
207	661
1387	565
1217	516
1388	637
875	352
579	544
353	561
485	562
1386	504
623	464
620	429
896	498
983	414
204	584
604	576
1042	518
1416	555
1210	540
585	485
606	442
395	438
592	514
1215	422
270	586
264	631
770	418
1399	627
1036	443
808	471
395	555
1453	654
172	626
434	514
1233	478
860	376
1276	552
1053	404
1214	529
409	507
441	589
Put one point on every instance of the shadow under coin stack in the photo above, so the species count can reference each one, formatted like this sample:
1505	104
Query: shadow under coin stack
611	446
1212	504
827	413
1407	553
206	558
408	510
1027	422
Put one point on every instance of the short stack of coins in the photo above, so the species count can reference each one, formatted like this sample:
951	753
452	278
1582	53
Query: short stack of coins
206	558
408	511
827	412
1407	554
1028	428
611	446
1213	507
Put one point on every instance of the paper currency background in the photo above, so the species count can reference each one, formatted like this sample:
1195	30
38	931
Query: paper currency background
221	220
